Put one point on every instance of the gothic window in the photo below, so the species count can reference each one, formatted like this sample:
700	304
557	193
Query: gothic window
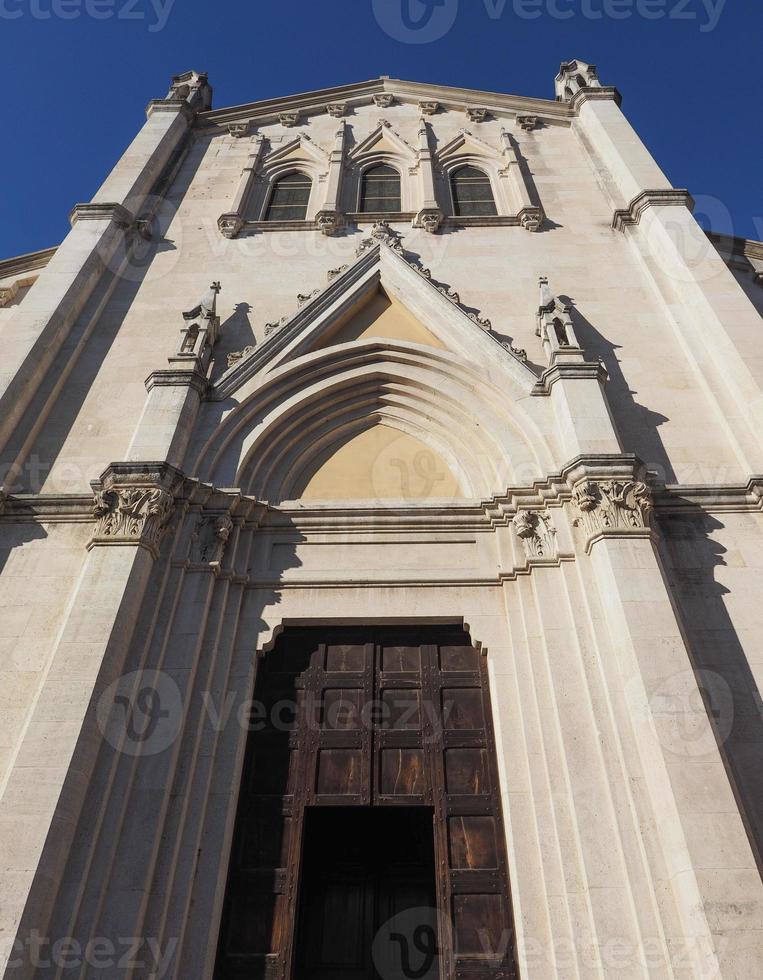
472	193
380	190
290	198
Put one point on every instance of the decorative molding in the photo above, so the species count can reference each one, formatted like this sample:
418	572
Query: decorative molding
537	534
21	264
527	123
337	109
612	508
666	197
384	100
335	273
476	114
289	119
429	108
133	504
9	293
605	93
384	233
117	213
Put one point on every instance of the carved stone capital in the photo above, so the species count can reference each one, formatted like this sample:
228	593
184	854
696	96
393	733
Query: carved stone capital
537	534
611	508
133	503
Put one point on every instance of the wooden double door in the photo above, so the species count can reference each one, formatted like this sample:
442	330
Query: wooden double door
391	727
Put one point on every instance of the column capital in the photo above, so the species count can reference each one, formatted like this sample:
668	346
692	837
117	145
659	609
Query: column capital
609	497
133	503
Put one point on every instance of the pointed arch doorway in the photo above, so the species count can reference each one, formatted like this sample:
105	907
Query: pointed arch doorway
369	842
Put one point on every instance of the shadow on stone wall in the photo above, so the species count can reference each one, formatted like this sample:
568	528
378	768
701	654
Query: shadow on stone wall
732	698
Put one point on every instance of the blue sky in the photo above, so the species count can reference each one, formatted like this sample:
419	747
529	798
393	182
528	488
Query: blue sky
78	74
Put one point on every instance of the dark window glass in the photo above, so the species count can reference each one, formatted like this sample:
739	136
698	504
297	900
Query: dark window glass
291	195
472	193
381	190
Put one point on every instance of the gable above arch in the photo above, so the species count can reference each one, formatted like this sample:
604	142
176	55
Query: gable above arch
378	316
379	463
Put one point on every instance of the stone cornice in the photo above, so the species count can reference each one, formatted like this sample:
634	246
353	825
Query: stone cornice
594	94
172	105
666	197
107	211
735	246
362	93
20	264
177	378
476	515
589	370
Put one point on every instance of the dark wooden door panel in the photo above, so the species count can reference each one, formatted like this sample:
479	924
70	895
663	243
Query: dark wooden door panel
373	717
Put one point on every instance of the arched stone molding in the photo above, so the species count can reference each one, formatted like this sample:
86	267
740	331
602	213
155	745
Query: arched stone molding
382	145
267	444
510	191
300	155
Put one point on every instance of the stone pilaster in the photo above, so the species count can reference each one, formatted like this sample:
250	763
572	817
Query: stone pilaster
330	218
231	223
429	217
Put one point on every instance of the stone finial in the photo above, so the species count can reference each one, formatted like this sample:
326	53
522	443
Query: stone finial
574	76
547	300
202	326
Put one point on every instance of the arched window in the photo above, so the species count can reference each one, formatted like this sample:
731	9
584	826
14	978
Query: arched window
290	198
472	193
380	191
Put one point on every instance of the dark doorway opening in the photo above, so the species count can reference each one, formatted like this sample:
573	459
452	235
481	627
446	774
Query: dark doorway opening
368	902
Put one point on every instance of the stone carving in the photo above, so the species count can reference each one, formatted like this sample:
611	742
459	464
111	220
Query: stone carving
337	109
288	119
536	532
271	327
430	219
476	114
335	273
132	515
328	221
238	129
209	539
384	101
530	218
303	298
518	352
481	321
382	232
528	123
612	505
230	224
238	355
202	326
429	108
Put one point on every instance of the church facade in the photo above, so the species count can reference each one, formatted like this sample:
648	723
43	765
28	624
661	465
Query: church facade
380	531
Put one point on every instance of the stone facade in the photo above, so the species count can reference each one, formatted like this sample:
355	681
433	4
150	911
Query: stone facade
545	424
